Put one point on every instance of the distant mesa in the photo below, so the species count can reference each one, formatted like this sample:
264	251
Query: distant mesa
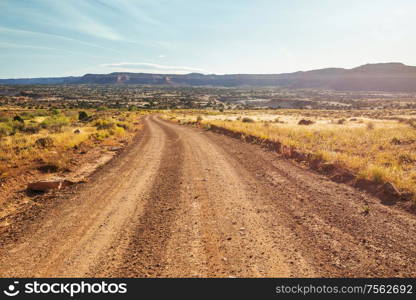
389	77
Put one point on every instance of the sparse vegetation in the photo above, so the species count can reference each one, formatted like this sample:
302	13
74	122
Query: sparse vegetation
82	116
366	210
305	122
247	120
40	138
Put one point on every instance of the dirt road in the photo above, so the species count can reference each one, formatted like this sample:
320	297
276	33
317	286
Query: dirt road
185	202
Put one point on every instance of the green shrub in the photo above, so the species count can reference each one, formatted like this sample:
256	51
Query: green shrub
101	135
44	142
17	126
11	127
55	123
83	116
116	130
103	124
5	129
55	111
123	125
18	119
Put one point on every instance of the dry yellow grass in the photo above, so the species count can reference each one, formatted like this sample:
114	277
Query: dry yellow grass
376	149
62	131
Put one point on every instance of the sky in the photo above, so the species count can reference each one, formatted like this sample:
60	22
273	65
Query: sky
46	38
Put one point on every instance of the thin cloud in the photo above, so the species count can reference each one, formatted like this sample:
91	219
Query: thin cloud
99	30
149	67
35	47
83	17
20	46
55	36
138	11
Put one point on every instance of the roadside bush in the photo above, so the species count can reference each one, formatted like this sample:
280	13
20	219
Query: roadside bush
83	116
247	120
26	115
305	122
405	159
55	111
5	129
55	123
377	174
123	125
31	128
17	126
103	124
44	142
101	135
18	118
54	164
117	131
395	141
49	168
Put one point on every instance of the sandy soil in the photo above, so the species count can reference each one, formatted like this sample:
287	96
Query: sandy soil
183	202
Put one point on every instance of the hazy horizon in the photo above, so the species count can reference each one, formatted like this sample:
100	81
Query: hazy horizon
167	73
71	38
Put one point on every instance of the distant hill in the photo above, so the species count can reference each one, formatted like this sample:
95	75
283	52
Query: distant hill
392	77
